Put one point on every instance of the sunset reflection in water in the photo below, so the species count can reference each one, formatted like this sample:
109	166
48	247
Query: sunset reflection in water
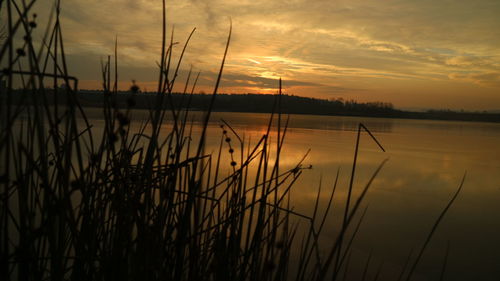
427	160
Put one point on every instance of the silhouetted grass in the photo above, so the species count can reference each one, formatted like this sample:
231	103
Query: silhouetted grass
145	204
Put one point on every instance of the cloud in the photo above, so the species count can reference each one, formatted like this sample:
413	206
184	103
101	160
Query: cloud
343	44
467	61
246	80
486	79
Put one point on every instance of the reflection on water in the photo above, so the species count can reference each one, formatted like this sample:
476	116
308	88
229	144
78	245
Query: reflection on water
427	162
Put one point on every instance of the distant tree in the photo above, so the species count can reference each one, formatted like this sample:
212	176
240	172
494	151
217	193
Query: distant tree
134	88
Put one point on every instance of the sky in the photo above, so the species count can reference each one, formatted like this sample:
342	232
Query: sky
442	54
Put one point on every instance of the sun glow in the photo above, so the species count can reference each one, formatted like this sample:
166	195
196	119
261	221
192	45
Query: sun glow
322	49
254	61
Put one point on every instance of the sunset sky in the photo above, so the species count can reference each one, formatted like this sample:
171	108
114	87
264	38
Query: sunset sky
413	53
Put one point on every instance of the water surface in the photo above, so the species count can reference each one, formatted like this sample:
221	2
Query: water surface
427	160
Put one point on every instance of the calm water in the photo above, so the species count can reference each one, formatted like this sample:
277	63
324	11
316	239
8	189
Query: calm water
427	160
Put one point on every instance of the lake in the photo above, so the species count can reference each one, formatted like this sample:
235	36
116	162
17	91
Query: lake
427	160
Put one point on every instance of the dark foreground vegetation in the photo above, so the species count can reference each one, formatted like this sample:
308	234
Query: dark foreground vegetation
142	204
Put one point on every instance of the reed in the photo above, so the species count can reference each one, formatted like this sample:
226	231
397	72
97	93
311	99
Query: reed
140	203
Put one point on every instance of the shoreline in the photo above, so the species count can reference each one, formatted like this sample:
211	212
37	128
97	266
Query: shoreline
258	103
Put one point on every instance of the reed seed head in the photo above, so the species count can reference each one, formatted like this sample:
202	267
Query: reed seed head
113	138
20	52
